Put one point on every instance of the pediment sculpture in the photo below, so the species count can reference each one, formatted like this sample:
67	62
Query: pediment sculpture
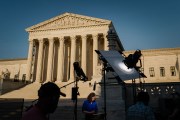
68	20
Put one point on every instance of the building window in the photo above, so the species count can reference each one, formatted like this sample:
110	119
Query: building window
151	72
162	71
173	71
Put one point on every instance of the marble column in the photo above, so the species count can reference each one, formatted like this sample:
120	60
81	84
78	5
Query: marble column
73	54
84	53
50	60
39	62
95	56
29	61
105	42
60	60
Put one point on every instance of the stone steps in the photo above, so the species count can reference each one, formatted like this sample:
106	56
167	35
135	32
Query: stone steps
30	91
65	110
27	92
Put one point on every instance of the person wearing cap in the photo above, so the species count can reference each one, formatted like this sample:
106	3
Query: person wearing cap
48	98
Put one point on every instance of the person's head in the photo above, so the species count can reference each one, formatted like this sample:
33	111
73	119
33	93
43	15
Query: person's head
48	94
143	97
91	97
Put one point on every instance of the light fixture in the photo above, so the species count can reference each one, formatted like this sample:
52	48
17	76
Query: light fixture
121	65
125	68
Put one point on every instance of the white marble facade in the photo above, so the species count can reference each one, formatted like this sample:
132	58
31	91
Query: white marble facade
55	44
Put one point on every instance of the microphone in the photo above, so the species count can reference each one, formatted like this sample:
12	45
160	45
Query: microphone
94	86
79	71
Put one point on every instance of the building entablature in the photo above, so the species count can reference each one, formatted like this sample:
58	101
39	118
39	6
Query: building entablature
68	20
157	52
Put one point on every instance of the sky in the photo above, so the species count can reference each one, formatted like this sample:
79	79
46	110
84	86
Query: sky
140	24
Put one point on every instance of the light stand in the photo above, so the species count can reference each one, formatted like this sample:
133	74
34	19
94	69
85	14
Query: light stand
134	90
104	69
104	75
79	76
74	94
116	61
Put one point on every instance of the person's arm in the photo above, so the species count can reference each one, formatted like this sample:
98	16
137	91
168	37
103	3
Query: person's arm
87	112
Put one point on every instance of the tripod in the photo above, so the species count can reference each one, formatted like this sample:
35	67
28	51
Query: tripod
74	94
79	76
104	75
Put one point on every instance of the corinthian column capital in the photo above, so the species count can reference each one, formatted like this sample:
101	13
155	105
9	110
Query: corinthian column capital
51	40
41	40
73	37
84	36
105	35
31	42
95	35
61	38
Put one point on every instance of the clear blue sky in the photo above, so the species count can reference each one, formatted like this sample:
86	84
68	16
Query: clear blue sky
140	24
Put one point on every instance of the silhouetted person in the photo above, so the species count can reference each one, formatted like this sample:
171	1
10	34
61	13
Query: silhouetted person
175	115
140	110
48	98
90	106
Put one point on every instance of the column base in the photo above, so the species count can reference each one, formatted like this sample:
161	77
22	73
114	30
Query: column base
58	82
36	82
71	79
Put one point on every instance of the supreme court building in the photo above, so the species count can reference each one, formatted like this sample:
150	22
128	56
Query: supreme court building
55	44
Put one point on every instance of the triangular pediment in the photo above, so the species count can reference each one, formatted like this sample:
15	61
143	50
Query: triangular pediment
68	20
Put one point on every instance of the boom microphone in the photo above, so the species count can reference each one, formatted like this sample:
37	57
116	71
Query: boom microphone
79	71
